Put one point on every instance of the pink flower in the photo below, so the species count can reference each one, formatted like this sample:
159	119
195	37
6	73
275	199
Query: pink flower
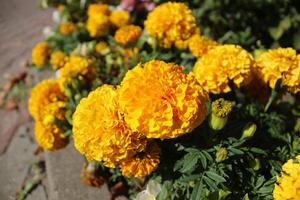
138	5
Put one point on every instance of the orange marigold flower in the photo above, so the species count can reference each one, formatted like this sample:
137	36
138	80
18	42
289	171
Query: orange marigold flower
171	23
77	67
288	182
44	93
200	45
280	64
40	54
160	101
119	18
222	65
58	59
67	28
128	34
99	129
143	163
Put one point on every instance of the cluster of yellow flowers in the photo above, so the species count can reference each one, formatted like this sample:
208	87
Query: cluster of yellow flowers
78	67
172	24
117	130
100	19
288	183
47	106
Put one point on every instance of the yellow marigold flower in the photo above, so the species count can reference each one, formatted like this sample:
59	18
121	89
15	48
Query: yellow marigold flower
96	8
58	59
67	28
76	67
143	163
100	46
222	65
161	101
99	129
98	20
288	183
280	64
119	18
128	34
171	23
44	93
200	45
48	135
40	54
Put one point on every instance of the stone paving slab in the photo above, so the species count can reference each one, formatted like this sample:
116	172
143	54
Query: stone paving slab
63	172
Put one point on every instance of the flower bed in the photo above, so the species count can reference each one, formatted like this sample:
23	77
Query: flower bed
162	109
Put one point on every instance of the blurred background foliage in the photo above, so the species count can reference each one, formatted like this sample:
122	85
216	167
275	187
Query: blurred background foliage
250	23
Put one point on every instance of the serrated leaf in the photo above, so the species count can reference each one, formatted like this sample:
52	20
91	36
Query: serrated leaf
190	160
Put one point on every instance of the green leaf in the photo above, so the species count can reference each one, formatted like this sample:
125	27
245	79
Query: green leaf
190	160
198	191
215	177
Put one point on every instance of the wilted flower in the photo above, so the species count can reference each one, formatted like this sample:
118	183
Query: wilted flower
143	163
152	190
222	65
171	23
161	101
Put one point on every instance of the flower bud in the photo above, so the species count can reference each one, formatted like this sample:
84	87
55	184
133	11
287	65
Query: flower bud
249	130
220	112
221	154
255	164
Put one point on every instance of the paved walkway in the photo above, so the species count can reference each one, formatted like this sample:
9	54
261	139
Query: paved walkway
21	24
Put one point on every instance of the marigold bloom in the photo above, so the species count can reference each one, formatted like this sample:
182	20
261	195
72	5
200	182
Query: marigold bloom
58	59
98	20
41	53
143	163
288	183
222	65
67	28
119	18
128	34
47	133
160	101
96	8
99	129
280	64
171	23
100	46
44	93
200	45
76	67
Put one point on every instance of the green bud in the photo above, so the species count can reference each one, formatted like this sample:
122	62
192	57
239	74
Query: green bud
221	154
255	164
77	98
249	130
75	84
68	92
297	126
220	112
296	144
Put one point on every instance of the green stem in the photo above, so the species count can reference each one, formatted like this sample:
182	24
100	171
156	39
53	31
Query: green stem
273	95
